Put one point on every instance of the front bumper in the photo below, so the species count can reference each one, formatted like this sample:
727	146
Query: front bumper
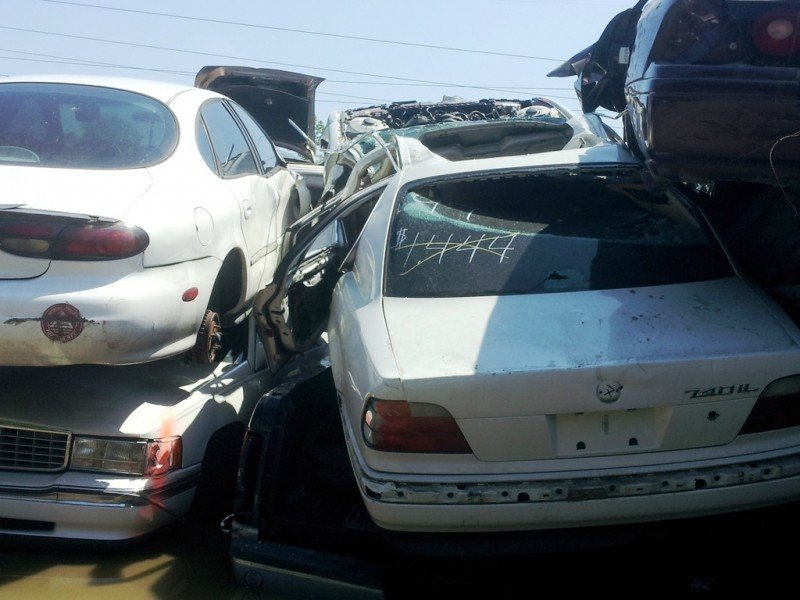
713	122
92	507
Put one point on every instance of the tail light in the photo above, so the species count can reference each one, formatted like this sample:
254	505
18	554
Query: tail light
777	33
777	407
65	239
698	32
398	426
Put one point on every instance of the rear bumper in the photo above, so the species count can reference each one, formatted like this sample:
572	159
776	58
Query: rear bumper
567	500
706	122
110	510
120	318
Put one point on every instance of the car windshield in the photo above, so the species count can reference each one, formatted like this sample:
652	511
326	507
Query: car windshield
532	234
82	127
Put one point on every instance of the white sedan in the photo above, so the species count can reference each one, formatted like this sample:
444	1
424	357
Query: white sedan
541	341
137	218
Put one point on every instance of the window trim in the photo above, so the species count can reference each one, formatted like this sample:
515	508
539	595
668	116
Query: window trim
259	162
202	123
256	159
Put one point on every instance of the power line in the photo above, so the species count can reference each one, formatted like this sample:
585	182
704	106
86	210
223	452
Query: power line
66	60
301	31
244	58
497	87
349	96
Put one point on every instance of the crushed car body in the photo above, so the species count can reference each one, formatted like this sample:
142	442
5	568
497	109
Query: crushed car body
454	129
709	87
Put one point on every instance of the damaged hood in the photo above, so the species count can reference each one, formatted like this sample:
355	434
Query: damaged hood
272	97
148	400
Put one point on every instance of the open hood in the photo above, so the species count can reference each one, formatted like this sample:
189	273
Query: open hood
272	97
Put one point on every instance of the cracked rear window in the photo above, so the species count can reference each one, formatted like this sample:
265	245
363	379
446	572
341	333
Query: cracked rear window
82	127
533	234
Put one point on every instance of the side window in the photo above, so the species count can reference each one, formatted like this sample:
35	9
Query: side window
204	146
228	141
263	145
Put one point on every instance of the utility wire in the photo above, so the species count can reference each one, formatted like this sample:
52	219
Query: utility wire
57	60
66	60
301	31
497	87
243	58
349	96
69	60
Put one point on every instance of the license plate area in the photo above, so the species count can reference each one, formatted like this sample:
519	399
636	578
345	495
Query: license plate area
609	432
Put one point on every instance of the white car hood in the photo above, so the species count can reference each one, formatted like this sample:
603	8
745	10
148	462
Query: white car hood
546	353
102	193
142	401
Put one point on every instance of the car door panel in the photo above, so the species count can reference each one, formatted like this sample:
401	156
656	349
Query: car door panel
255	194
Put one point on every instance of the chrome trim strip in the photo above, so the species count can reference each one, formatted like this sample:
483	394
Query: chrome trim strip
89	497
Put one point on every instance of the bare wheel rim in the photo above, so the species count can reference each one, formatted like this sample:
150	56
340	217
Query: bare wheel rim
209	339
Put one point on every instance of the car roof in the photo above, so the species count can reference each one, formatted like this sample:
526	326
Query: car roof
160	90
607	154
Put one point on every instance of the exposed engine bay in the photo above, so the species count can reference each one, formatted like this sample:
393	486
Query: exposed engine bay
399	115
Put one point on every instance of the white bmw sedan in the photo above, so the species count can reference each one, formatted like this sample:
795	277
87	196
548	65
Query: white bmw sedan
542	341
137	218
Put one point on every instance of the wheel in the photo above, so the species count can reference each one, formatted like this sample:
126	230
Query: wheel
209	340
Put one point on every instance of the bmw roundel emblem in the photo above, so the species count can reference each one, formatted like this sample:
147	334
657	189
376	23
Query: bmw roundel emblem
609	391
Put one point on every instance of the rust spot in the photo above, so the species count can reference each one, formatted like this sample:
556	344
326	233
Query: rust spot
20	321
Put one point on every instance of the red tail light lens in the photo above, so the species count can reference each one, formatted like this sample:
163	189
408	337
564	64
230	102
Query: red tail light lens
104	242
66	239
778	407
777	33
397	426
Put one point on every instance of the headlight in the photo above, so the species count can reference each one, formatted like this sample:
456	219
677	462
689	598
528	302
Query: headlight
129	457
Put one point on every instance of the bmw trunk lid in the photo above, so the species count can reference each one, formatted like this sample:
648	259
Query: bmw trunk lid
595	372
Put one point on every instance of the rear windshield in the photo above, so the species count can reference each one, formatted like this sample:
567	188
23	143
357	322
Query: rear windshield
82	127
535	234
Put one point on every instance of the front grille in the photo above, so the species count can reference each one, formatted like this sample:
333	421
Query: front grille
28	449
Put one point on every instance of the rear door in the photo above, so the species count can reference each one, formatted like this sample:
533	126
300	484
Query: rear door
254	193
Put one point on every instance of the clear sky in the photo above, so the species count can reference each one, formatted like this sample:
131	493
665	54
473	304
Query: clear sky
510	44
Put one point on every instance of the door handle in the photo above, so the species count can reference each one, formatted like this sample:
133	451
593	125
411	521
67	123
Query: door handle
247	209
